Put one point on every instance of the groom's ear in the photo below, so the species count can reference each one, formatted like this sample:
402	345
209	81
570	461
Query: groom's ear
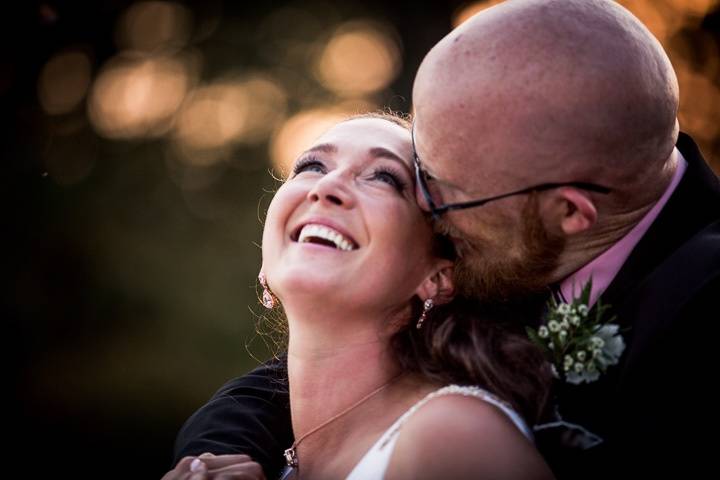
439	284
571	211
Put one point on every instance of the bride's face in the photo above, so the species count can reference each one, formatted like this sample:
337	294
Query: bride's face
345	227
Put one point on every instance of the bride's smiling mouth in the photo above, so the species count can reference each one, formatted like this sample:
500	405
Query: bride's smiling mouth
322	234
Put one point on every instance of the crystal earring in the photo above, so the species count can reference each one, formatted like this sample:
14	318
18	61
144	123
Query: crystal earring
427	306
268	299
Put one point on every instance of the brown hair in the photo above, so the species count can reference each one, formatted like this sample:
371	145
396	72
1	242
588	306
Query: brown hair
468	343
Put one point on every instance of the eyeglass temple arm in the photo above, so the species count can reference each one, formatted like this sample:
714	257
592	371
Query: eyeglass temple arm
537	188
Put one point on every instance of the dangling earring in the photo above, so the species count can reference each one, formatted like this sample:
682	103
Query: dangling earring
427	306
268	299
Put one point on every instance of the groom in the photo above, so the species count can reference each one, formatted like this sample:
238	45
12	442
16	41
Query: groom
548	148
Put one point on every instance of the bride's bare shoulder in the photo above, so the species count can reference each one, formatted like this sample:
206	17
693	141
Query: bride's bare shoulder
458	436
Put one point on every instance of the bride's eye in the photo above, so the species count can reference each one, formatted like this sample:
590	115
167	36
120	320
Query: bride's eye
309	164
390	177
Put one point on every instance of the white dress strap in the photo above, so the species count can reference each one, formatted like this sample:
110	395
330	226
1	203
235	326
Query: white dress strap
374	463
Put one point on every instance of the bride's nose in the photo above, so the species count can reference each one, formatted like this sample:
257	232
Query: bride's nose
332	189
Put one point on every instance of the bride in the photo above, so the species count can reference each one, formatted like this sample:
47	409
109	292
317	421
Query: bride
390	376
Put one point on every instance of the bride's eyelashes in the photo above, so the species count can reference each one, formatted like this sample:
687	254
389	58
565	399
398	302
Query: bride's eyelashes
391	177
382	174
311	164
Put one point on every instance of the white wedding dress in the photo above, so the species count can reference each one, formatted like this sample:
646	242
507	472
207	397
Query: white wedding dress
375	462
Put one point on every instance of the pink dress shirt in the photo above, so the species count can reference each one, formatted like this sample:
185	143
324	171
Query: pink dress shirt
604	267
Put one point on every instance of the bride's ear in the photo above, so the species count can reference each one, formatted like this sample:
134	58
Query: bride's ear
439	284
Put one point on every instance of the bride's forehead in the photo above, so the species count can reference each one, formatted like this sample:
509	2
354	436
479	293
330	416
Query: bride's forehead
367	133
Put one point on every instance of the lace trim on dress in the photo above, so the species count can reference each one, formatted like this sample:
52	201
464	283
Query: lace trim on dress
468	391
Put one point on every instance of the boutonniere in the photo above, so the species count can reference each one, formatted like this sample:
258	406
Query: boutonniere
579	345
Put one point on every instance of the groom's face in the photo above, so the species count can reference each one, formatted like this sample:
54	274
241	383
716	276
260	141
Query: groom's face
505	250
504	262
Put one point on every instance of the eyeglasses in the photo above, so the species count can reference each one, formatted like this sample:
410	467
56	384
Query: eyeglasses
422	178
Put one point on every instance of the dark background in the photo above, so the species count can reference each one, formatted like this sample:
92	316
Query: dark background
133	194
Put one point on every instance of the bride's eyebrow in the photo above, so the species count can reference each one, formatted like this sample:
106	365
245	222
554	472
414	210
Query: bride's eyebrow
379	152
323	147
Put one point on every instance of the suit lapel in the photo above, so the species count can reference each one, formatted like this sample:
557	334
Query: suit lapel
694	205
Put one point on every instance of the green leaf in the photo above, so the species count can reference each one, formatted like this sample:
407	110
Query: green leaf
535	338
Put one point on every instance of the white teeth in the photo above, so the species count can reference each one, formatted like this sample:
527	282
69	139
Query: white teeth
321	231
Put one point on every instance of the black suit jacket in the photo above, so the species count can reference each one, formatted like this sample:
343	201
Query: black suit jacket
652	409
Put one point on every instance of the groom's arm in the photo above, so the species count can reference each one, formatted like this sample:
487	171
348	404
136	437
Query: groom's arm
248	415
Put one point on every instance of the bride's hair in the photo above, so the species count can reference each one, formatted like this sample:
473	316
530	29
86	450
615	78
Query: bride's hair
470	343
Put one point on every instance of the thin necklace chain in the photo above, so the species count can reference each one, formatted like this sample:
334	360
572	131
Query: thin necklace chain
291	453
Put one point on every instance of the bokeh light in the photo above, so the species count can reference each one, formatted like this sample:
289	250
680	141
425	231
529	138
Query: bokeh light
137	97
213	116
656	17
153	26
299	131
268	106
695	8
699	114
696	59
360	58
467	10
228	112
64	82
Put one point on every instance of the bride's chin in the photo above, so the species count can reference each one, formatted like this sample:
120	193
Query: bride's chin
304	284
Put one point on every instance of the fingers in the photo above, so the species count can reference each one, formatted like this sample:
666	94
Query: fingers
241	471
189	468
217	467
214	462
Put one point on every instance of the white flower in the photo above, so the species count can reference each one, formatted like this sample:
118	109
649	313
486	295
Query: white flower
613	346
579	347
588	375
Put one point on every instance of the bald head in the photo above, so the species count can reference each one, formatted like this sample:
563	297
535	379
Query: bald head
551	90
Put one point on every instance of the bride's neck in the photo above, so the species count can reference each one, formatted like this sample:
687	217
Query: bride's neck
333	362
327	372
